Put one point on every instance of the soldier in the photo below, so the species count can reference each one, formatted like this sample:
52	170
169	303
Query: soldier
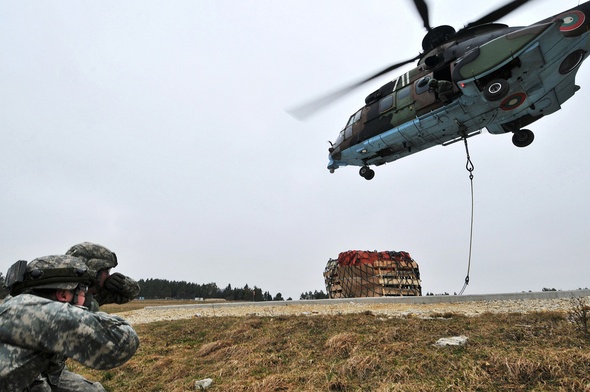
115	288
443	90
43	323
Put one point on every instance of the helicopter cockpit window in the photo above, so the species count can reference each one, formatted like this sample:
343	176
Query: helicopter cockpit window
354	118
386	103
347	132
340	138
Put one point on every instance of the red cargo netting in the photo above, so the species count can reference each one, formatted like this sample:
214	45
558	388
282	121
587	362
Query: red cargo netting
358	273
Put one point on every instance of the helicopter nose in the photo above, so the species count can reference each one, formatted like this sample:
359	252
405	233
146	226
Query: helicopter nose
335	155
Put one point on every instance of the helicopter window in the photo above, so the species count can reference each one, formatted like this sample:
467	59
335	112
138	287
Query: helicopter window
354	118
357	116
348	132
422	85
340	138
386	103
403	93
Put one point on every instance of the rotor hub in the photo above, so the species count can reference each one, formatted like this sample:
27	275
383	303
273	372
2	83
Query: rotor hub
437	36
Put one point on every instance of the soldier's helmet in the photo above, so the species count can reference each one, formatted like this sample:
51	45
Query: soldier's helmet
97	256
54	272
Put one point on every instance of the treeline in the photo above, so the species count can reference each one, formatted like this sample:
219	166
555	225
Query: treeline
315	295
161	289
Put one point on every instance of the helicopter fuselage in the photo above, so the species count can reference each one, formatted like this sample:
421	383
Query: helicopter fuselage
492	76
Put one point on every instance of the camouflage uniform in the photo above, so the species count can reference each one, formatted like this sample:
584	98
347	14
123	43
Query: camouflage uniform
118	288
38	334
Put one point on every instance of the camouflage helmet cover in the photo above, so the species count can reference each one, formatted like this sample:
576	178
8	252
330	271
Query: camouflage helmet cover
55	272
97	256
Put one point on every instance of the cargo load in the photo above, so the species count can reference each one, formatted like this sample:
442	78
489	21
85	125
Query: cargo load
356	274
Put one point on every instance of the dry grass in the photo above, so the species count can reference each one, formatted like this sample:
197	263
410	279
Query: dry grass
361	352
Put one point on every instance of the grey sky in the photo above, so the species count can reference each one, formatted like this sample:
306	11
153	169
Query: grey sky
158	129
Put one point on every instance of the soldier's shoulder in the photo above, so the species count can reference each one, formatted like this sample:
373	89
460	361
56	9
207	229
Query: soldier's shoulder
25	299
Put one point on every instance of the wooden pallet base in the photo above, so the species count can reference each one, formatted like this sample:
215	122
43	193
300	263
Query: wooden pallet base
378	277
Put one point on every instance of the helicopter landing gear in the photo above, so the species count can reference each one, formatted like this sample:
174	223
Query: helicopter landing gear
367	173
523	137
496	90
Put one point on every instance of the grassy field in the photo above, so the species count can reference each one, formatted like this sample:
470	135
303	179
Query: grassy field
362	352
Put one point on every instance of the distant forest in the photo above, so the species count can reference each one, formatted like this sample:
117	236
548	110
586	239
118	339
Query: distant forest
161	289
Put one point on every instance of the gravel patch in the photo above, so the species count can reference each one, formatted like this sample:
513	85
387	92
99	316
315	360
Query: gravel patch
300	308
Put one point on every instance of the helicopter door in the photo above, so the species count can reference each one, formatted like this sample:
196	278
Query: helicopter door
405	106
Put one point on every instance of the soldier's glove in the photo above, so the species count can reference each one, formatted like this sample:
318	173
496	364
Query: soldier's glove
115	282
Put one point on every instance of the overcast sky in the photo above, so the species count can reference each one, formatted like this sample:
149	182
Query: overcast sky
158	129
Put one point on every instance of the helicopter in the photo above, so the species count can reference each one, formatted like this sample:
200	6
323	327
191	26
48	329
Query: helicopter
485	75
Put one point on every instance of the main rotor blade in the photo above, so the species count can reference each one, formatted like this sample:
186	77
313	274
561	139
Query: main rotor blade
314	106
498	13
423	11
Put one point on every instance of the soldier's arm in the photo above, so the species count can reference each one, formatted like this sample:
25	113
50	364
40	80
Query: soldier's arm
109	340
96	340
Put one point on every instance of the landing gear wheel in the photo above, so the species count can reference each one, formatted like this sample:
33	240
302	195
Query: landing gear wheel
367	173
523	137
496	90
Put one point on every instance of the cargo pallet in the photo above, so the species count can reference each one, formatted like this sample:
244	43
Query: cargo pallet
356	274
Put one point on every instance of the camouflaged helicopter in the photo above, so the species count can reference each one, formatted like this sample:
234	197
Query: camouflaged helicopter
486	75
